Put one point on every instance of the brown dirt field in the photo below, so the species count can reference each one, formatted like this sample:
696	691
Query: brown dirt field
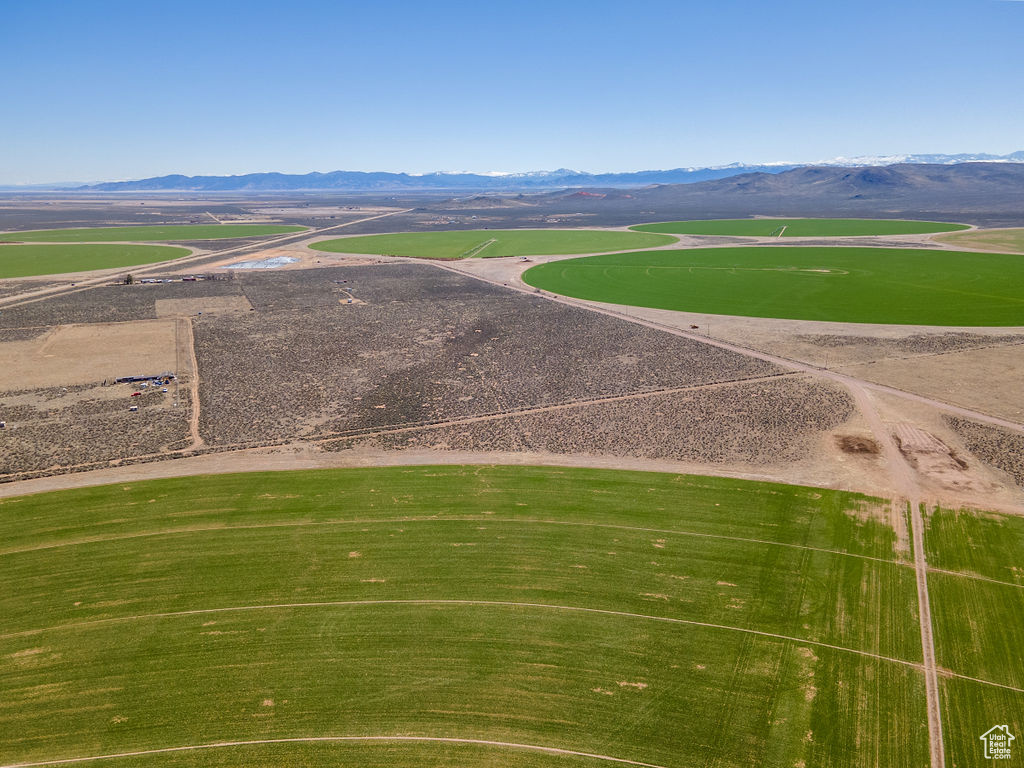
946	467
83	354
986	380
206	305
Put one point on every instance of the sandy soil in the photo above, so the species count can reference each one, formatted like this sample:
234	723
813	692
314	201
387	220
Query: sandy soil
987	380
83	354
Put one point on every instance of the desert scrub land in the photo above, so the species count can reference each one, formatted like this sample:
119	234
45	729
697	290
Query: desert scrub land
10	288
642	616
999	448
87	424
424	346
109	303
493	243
765	422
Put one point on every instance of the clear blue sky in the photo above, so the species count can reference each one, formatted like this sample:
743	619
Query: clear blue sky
114	90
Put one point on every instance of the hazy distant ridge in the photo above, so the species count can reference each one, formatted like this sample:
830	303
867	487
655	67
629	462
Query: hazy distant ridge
359	181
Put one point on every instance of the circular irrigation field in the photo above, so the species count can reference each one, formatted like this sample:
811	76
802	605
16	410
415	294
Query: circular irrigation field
494	243
53	259
503	616
800	227
853	285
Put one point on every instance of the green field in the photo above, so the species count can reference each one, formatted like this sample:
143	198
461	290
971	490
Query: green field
493	243
665	619
159	233
854	285
799	227
978	623
44	259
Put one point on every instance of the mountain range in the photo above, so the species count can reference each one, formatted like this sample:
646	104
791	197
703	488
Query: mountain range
363	181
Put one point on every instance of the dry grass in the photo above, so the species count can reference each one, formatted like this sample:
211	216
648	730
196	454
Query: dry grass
1009	240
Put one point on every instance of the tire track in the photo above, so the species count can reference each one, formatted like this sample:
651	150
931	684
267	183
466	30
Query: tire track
414	520
463	603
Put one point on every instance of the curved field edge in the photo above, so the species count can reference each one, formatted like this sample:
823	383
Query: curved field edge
30	260
154	233
633	687
800	227
461	244
898	286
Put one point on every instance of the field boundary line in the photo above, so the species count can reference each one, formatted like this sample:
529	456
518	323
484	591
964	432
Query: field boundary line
435	519
927	634
193	387
340	739
905	479
471	252
484	603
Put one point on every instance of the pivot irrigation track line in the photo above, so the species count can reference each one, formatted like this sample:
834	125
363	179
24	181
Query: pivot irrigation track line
502	604
193	387
906	482
448	519
329	739
462	603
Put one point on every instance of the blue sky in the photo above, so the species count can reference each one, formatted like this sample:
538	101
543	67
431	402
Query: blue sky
113	90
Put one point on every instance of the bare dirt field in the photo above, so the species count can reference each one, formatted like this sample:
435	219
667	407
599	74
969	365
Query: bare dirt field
986	379
82	354
1005	240
947	465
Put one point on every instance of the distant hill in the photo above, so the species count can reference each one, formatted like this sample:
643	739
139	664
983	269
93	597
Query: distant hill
360	181
890	182
992	191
